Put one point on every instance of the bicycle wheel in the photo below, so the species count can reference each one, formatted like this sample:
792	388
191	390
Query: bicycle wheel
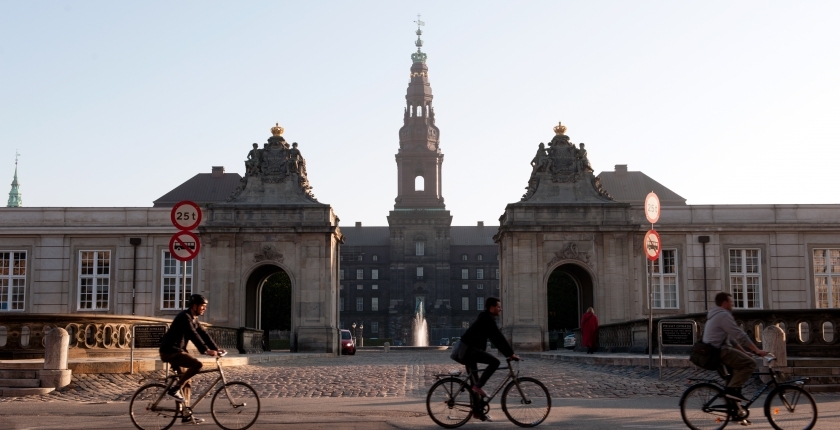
790	407
144	416
449	403
703	407
235	406
528	404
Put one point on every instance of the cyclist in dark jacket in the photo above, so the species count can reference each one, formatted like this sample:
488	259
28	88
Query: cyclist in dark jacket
173	349
475	338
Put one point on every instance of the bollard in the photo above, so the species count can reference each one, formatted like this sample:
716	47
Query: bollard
387	347
773	341
55	373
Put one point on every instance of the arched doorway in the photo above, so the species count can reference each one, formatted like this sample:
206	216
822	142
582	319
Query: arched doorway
268	299
569	294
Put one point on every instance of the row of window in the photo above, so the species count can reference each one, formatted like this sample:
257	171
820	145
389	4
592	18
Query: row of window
374	327
360	257
374	273
745	281
94	281
374	304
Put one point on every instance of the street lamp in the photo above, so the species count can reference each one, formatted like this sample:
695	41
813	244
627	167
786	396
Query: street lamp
362	334
354	332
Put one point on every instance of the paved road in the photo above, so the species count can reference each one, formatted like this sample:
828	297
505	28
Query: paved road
373	390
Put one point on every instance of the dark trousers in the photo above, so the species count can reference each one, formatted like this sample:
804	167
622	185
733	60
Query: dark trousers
186	364
475	356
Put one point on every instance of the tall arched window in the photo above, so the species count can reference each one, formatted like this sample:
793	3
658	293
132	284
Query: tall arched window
419	183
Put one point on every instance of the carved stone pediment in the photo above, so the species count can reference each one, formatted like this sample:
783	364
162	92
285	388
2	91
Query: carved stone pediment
268	253
569	252
562	174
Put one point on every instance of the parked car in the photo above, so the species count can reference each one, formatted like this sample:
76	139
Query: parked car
444	341
452	340
347	345
569	341
398	342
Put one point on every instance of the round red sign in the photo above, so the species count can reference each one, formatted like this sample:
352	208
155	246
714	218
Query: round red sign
184	246
653	245
652	208
186	215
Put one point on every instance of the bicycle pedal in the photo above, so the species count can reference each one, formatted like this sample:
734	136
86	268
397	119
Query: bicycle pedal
745	423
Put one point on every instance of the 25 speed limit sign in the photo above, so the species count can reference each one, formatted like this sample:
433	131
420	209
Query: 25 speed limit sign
186	215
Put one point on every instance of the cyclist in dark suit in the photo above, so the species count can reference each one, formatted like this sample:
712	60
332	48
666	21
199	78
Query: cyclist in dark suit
475	341
173	350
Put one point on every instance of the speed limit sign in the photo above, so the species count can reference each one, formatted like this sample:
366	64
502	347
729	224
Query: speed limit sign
186	215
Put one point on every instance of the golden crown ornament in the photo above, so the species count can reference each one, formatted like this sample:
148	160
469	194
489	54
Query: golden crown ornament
276	130
559	129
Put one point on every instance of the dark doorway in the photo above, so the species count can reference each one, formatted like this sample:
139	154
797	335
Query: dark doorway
569	292
268	299
562	302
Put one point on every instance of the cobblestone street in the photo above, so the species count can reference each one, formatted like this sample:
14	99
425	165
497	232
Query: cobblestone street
396	374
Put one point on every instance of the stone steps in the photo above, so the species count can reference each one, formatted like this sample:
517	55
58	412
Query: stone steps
823	373
21	379
17	392
20	383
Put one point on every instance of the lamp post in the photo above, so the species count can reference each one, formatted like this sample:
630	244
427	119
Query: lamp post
354	332
361	335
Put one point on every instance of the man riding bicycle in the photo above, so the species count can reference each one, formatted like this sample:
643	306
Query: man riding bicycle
173	350
473	349
722	332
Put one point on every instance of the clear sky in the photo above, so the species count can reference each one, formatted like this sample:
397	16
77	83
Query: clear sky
116	103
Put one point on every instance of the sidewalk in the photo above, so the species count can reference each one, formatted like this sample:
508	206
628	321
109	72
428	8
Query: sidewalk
377	413
611	358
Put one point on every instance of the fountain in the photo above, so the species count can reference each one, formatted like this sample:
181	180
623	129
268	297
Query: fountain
420	328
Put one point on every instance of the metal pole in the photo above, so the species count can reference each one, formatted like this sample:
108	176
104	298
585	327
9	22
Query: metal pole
660	348
184	288
134	241
705	288
650	318
132	349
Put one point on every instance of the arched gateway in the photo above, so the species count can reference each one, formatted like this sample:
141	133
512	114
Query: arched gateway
272	223
565	226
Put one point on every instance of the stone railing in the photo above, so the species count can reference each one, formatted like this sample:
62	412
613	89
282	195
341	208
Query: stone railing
22	335
808	332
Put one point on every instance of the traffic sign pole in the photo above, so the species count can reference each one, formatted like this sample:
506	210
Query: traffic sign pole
185	216
652	211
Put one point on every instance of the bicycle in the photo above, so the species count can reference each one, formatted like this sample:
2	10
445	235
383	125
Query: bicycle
235	405
525	401
703	405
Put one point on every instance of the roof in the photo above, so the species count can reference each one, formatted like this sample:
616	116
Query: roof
472	235
633	187
366	236
202	189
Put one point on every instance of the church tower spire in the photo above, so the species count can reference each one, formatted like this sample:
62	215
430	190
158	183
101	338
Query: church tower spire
419	160
15	197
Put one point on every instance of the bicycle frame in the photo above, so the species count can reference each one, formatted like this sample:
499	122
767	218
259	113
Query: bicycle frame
470	379
171	380
773	381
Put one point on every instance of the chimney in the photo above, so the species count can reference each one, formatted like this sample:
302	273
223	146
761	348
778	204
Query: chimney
218	171
481	223
358	223
620	169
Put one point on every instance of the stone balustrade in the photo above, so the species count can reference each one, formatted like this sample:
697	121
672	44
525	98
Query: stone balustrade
23	335
808	332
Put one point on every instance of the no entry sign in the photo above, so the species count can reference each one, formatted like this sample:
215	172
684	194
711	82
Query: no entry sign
653	245
652	208
186	215
184	246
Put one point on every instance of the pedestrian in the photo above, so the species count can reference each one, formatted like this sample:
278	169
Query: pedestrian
589	330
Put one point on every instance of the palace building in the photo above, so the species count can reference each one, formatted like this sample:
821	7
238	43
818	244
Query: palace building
574	240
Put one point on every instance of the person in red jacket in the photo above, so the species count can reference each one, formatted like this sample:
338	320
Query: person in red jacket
589	330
